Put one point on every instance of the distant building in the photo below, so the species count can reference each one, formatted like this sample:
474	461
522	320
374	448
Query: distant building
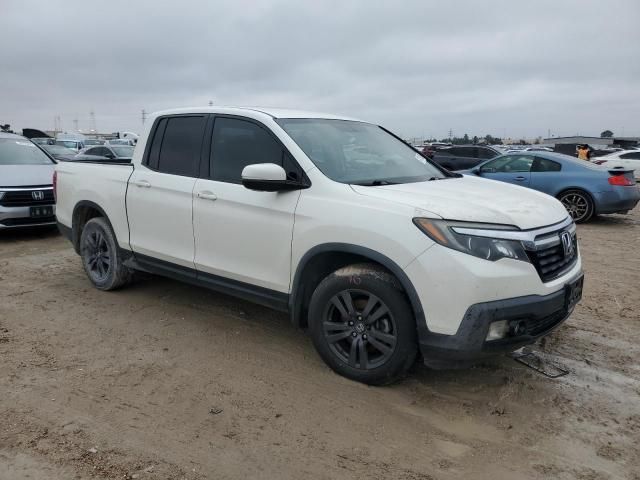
568	145
602	142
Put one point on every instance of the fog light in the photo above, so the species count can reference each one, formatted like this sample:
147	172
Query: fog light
497	330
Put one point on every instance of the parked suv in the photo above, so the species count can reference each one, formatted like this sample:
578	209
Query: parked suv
26	193
462	157
375	250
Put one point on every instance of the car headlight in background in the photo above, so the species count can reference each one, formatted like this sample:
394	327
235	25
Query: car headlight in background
444	233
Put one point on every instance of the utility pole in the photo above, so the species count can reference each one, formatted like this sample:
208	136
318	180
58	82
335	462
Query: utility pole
92	114
211	103
450	135
75	124
144	116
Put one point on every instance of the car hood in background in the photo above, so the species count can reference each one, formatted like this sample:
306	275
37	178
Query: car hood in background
26	175
474	199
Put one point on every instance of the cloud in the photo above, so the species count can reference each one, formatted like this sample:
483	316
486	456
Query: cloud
418	67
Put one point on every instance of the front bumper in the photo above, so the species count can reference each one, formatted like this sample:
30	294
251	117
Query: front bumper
20	217
540	314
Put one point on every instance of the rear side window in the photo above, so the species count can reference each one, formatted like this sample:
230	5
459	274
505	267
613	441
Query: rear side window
237	143
631	156
545	165
154	153
176	145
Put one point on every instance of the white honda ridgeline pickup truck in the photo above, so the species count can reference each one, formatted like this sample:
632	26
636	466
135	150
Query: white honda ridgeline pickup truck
377	251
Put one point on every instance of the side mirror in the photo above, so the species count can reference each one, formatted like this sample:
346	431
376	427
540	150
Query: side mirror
476	171
268	177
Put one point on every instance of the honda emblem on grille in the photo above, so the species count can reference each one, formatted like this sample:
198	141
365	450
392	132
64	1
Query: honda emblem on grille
567	244
37	195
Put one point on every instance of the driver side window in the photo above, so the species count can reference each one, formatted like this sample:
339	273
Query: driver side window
496	165
509	164
93	151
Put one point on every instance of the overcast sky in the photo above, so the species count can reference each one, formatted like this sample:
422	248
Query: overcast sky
419	67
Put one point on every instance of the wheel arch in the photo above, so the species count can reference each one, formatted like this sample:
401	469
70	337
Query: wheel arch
323	259
84	211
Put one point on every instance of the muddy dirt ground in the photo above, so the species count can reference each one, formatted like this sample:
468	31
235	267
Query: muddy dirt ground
164	380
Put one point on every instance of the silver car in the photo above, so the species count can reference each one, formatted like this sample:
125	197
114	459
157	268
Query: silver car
26	190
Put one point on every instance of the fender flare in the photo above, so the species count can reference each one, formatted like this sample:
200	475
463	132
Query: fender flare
295	299
75	234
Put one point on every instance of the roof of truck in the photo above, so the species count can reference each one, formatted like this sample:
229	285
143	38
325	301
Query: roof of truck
272	112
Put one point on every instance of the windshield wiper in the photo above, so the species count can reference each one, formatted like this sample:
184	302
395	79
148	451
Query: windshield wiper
375	183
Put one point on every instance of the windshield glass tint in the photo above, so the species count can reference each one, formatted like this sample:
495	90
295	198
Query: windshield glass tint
14	151
358	153
125	152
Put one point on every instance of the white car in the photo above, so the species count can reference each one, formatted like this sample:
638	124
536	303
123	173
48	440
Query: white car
628	159
374	249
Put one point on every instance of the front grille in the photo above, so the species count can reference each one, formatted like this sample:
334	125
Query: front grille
25	198
16	222
551	261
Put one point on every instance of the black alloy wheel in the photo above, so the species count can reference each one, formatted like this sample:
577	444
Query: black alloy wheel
360	329
363	325
98	256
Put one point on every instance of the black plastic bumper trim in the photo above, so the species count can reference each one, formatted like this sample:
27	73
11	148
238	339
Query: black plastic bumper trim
468	345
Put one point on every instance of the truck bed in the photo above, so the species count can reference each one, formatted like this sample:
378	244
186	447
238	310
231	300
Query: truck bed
103	184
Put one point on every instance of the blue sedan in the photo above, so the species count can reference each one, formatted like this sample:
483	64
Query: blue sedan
583	188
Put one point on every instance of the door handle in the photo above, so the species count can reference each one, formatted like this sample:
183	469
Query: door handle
207	196
520	179
142	184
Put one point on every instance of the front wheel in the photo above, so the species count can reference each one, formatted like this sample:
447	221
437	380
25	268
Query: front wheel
578	204
362	324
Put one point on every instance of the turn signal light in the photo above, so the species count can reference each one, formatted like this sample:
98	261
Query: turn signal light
621	181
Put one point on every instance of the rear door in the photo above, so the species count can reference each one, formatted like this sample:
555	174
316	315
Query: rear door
159	197
514	169
242	234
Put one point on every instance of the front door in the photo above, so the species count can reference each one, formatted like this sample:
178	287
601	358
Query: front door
514	169
241	234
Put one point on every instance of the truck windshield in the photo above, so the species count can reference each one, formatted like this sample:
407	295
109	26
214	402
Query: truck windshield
15	151
358	153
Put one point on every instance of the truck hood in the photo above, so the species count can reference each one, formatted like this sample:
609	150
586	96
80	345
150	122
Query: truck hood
473	199
26	175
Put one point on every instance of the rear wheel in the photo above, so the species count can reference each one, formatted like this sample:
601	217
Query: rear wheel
362	324
579	205
101	258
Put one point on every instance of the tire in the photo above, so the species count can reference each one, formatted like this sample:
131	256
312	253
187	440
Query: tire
101	258
362	325
579	205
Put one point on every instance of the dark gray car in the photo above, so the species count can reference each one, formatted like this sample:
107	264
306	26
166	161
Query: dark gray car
26	184
462	157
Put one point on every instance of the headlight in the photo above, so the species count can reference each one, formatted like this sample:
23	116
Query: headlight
444	233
